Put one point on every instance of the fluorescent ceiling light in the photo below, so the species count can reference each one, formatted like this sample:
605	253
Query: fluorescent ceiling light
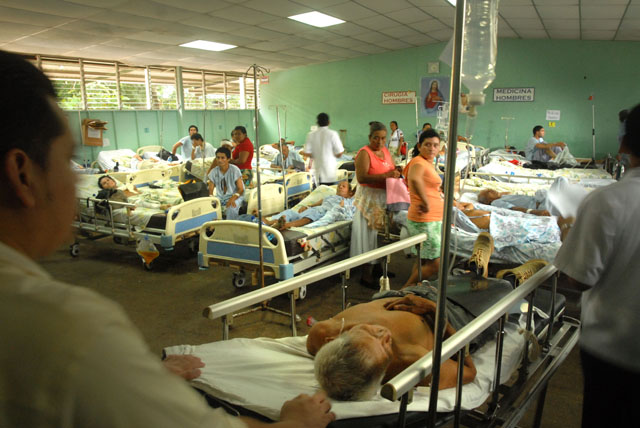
452	2
316	19
208	46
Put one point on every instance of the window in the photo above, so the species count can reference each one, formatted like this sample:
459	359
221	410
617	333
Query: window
65	76
103	85
163	88
100	85
133	88
193	90
214	86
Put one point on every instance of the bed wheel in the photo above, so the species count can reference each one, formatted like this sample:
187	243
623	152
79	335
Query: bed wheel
239	279
74	250
147	266
303	292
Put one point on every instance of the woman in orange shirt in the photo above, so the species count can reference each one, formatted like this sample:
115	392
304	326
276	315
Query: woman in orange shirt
427	205
374	164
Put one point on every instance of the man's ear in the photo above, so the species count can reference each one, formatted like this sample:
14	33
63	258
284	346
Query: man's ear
328	339
19	172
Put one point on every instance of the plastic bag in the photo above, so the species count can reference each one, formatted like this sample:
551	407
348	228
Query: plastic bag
147	250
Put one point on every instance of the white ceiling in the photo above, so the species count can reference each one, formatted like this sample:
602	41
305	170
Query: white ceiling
148	32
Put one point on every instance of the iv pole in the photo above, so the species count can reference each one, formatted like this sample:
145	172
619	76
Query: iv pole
506	131
261	71
443	273
284	172
593	131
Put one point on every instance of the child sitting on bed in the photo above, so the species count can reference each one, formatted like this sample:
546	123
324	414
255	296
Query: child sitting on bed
226	180
326	211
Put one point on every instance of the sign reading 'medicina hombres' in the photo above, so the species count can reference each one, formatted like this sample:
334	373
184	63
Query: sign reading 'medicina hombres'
513	94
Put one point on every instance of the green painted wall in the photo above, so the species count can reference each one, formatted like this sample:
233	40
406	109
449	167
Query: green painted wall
134	129
563	73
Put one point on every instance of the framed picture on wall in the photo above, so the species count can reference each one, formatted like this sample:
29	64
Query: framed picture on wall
433	92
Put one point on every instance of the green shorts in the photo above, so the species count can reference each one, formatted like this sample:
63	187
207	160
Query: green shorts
430	247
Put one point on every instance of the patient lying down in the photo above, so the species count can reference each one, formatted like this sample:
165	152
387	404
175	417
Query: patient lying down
370	343
333	208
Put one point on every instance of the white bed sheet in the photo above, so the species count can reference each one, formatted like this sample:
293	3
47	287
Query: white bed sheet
261	374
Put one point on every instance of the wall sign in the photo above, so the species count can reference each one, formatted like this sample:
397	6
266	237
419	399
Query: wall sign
399	97
518	95
553	115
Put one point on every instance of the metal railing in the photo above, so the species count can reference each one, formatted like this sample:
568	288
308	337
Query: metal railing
226	309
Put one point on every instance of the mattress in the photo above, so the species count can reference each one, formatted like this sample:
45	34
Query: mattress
261	374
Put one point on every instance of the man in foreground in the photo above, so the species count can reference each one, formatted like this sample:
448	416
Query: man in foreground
72	358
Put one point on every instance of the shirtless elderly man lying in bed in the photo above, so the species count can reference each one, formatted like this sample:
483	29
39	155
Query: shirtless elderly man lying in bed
372	342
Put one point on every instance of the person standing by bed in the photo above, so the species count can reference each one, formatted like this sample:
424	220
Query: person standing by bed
324	147
600	255
427	205
242	154
374	164
71	357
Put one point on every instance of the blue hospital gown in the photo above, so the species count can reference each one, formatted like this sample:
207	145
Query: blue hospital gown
330	208
227	181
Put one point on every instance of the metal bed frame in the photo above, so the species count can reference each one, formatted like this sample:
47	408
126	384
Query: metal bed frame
183	221
507	404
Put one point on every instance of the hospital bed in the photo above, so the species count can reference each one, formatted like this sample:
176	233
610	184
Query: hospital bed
544	245
150	149
127	222
127	163
505	171
285	253
260	374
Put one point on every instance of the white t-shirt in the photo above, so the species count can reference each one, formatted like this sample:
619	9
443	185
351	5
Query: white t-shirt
603	251
186	147
394	141
324	145
71	358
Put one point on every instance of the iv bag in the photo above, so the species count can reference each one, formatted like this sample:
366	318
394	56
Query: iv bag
480	45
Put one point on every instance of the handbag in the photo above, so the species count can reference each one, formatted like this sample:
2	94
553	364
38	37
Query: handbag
193	189
397	194
165	154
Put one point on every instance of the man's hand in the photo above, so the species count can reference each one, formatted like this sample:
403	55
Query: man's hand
412	303
560	144
303	209
308	412
185	366
232	201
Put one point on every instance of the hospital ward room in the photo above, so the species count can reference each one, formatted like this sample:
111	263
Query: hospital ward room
344	213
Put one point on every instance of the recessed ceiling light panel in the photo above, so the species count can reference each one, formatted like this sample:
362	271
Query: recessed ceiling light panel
208	46
316	19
